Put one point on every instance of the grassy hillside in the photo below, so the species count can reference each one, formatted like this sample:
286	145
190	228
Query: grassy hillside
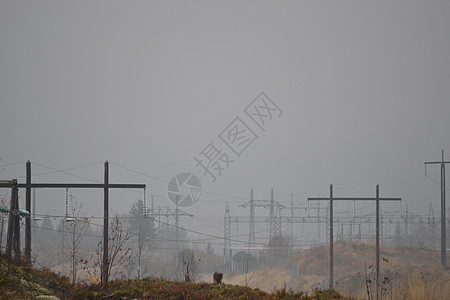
155	288
406	273
19	281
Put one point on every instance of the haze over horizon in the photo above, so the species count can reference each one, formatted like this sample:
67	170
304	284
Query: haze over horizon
363	89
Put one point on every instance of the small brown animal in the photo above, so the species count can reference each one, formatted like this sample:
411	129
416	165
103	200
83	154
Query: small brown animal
217	277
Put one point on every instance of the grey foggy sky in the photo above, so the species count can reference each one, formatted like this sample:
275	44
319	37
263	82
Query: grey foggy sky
364	86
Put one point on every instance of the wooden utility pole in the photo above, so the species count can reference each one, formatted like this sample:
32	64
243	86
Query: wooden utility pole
377	199
13	234
377	230
443	207
330	278
105	265
28	219
28	185
177	226
331	238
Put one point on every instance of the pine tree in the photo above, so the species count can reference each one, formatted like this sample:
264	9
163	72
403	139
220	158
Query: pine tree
142	232
209	249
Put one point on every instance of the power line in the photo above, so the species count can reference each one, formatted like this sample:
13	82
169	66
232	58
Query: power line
14	163
168	224
64	171
167	182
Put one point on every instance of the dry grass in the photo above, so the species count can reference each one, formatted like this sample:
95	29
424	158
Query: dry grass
427	284
414	273
265	280
423	285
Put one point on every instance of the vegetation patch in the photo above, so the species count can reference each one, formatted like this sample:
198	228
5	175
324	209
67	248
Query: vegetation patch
157	288
22	281
19	280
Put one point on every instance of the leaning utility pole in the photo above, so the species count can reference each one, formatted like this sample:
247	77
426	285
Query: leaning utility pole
13	233
443	218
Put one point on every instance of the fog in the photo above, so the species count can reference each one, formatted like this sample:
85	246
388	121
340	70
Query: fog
359	92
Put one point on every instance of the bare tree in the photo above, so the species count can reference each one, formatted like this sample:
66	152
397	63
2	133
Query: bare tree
189	264
77	227
119	255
